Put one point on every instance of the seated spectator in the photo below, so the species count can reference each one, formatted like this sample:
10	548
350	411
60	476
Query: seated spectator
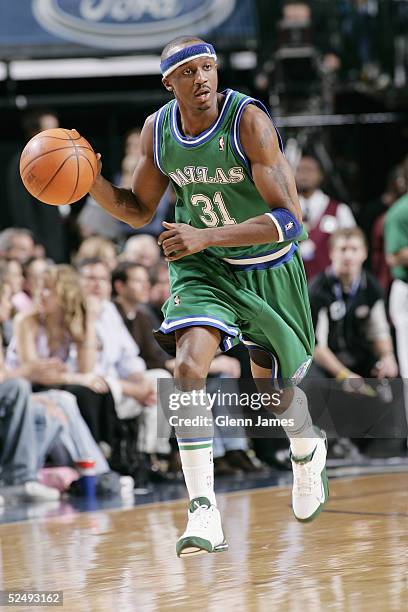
46	424
20	455
61	325
57	345
17	243
19	452
120	363
322	215
130	289
142	249
49	423
100	248
353	339
95	278
117	352
73	440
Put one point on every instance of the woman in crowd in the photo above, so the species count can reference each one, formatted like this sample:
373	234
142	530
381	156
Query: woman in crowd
33	425
57	344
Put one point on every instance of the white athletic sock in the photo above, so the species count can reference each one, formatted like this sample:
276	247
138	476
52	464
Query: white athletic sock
198	468
301	434
196	445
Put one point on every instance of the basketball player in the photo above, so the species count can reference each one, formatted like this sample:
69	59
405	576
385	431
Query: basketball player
234	263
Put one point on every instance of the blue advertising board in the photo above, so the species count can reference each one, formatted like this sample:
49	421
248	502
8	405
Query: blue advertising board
33	28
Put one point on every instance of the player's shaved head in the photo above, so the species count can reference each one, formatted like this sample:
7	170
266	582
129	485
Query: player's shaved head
179	43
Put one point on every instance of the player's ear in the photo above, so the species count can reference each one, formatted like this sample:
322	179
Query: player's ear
167	84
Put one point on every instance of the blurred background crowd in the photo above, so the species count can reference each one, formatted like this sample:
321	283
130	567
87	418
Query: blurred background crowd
80	292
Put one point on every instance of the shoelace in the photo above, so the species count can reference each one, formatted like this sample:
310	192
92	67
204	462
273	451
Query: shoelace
305	479
200	517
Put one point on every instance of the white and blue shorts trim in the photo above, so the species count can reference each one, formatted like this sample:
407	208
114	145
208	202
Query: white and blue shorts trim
229	335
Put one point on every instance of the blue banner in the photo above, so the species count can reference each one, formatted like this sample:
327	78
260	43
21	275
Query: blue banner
32	28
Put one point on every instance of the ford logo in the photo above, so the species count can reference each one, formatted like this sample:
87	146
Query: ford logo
129	24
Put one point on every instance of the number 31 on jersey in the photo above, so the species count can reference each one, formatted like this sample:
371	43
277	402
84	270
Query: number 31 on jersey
209	216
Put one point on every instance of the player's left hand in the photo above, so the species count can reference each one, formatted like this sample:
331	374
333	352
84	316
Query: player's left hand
180	240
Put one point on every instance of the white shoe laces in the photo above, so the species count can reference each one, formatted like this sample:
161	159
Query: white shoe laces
305	479
200	518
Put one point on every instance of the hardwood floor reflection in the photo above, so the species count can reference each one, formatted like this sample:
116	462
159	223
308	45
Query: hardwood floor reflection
353	557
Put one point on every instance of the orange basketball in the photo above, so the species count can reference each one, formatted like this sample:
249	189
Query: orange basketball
58	166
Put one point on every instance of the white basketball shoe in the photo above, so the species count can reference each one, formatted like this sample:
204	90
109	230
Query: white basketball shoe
310	484
204	530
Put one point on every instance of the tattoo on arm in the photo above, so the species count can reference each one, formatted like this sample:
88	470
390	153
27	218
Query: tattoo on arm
266	138
279	177
126	200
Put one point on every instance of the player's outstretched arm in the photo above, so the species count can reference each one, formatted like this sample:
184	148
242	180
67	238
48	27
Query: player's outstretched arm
134	206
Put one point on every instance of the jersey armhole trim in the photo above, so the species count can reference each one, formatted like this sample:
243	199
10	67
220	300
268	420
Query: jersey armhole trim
157	128
235	129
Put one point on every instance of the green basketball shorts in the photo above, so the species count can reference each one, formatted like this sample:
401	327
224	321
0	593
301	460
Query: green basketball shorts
261	301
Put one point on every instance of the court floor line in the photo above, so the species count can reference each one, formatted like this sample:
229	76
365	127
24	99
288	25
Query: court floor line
368	494
334	511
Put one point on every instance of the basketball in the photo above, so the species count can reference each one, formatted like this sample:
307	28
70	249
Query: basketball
58	166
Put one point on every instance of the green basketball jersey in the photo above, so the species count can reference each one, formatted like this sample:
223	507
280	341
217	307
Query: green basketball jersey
210	173
396	233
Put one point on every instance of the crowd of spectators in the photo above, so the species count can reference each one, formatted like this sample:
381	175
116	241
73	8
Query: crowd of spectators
79	364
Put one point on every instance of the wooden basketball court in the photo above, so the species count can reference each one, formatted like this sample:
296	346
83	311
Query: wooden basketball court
353	557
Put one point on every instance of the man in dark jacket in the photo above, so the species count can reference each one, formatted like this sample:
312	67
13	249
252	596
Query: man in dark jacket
353	339
131	289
